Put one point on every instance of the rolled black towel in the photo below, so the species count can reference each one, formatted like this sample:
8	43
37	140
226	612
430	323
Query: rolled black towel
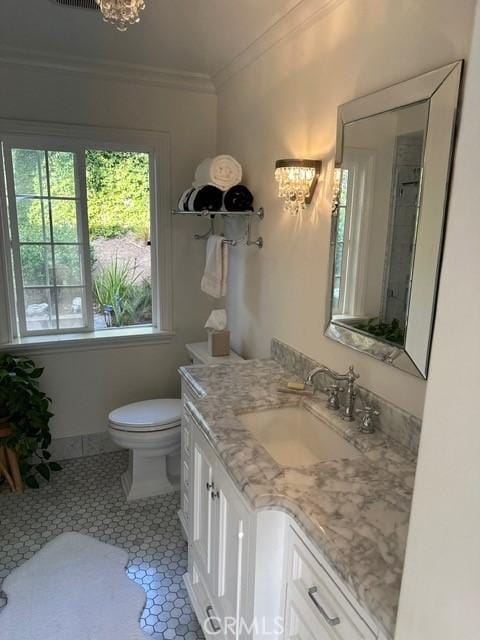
183	200
206	198
238	198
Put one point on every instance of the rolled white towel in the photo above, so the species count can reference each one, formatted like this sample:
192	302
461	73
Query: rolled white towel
222	171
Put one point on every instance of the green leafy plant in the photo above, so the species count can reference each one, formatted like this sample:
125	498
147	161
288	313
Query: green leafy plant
118	186
116	286
392	331
27	411
140	304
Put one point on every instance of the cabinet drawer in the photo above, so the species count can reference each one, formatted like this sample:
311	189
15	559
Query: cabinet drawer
206	614
298	621
312	587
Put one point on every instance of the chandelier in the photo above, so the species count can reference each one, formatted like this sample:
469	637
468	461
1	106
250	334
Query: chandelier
121	13
297	180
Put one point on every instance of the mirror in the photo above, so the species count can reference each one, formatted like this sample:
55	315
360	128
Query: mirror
393	159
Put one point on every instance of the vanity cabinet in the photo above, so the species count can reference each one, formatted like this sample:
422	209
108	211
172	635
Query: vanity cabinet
253	574
316	607
185	462
219	539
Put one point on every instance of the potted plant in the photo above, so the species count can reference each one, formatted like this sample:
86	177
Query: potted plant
24	423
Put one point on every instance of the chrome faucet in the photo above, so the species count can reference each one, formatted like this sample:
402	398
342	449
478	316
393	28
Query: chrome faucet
348	411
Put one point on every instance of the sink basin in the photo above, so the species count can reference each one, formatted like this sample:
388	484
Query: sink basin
294	437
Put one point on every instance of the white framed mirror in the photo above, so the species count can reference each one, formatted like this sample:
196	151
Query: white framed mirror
393	161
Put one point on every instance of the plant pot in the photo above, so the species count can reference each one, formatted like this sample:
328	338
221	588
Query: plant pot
5	428
9	460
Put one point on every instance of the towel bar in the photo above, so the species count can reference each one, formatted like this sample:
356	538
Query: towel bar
260	213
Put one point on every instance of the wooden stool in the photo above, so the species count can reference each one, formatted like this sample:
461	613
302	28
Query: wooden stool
9	462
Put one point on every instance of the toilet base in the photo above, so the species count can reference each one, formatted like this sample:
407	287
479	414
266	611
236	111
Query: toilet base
146	475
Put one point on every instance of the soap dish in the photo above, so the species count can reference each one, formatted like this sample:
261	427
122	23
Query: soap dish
308	390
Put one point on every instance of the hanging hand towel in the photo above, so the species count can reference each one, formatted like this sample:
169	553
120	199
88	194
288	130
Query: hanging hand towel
214	281
222	171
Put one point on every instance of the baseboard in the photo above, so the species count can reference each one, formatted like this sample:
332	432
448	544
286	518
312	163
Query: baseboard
80	446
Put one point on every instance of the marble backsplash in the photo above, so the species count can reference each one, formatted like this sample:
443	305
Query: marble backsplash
395	422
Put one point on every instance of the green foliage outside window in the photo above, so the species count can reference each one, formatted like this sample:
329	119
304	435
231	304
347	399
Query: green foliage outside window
118	198
118	193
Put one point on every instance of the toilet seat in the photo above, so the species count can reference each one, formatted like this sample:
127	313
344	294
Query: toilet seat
150	415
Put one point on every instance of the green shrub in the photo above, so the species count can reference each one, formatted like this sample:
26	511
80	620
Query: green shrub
118	193
117	286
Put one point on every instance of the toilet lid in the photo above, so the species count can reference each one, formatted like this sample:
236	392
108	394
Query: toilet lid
149	414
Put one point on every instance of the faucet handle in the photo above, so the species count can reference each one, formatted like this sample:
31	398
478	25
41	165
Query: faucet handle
333	390
367	415
352	373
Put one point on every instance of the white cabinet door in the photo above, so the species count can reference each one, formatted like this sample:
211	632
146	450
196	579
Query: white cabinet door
231	541
202	505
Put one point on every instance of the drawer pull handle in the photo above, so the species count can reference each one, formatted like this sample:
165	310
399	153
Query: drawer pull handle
331	621
215	494
211	618
209	485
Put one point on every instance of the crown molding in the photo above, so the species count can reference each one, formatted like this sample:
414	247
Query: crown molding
299	17
108	69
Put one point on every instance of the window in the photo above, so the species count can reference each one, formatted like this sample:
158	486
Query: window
340	259
350	268
81	236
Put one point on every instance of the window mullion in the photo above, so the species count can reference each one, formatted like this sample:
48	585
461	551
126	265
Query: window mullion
8	316
50	222
14	241
83	233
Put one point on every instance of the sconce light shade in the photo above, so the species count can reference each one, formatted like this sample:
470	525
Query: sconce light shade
297	180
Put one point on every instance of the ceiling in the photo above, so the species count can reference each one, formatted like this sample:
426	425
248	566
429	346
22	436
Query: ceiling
200	36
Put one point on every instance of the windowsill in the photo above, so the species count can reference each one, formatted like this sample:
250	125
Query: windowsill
103	339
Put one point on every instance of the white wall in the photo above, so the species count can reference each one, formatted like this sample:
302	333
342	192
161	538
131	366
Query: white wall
441	585
86	385
284	105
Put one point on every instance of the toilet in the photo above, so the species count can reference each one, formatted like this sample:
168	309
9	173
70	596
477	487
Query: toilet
151	431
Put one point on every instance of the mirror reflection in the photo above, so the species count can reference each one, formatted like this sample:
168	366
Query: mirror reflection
377	210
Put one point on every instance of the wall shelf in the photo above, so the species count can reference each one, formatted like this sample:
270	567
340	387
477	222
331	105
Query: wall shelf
246	215
260	213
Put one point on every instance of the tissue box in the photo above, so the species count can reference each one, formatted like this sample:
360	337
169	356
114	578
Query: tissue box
219	343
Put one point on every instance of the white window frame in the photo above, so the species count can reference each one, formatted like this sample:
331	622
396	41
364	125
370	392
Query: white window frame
361	169
79	138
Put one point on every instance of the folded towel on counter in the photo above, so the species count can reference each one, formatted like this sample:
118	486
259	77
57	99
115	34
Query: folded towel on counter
214	281
222	171
238	198
205	198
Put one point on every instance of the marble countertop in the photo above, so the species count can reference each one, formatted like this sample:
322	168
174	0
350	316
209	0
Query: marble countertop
355	511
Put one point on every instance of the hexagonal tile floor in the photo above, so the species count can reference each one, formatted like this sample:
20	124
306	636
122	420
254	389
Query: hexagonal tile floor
87	497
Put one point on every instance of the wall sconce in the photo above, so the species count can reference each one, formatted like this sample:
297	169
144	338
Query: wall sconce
297	180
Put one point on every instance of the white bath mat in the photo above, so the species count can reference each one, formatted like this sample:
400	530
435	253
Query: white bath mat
74	588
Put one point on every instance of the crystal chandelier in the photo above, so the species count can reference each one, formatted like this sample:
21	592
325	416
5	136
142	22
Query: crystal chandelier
121	13
297	180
